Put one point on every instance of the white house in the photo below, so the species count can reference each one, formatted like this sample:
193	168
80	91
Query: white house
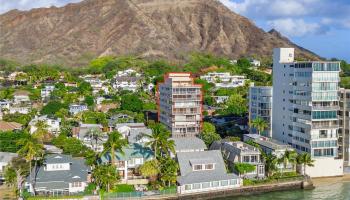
46	91
19	109
53	124
224	79
255	63
77	108
127	83
20	97
4	104
128	72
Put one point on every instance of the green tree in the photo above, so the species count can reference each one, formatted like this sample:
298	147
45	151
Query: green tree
31	150
243	168
89	100
95	135
132	103
52	108
168	170
271	162
150	169
259	124
289	157
114	143
305	160
105	176
208	134
159	140
41	131
85	88
236	105
15	174
243	63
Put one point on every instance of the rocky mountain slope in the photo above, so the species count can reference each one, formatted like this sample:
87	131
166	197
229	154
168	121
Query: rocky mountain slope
151	28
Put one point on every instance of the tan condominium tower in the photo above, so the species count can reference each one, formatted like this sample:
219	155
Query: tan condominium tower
180	104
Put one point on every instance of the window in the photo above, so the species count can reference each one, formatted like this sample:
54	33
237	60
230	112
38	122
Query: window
76	184
233	182
209	166
224	183
206	185
188	187
196	186
197	167
215	184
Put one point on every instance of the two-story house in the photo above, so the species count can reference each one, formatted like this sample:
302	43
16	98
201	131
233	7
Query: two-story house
240	152
59	175
77	108
21	97
46	91
204	171
52	124
87	133
129	162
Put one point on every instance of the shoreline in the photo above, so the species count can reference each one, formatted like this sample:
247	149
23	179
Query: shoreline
324	181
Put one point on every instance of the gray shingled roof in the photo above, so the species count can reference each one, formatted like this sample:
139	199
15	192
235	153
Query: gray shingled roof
60	179
182	144
188	176
235	148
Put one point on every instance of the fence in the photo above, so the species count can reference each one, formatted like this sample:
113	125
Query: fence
138	195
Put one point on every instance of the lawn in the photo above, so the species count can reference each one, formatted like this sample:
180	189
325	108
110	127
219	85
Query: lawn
124	188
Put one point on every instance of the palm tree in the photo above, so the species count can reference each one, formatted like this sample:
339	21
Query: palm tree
41	130
305	160
105	176
31	150
114	143
271	162
150	169
159	140
260	124
288	157
95	134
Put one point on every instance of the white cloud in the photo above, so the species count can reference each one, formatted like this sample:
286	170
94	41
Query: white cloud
6	5
295	27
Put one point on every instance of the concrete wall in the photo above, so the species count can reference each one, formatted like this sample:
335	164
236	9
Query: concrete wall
324	167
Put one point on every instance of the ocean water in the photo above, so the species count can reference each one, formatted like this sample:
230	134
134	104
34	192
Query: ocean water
329	190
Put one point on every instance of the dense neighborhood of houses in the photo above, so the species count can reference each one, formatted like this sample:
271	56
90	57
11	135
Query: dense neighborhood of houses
96	132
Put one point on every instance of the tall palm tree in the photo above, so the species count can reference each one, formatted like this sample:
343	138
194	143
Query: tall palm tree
95	134
31	150
288	157
159	140
260	124
271	162
305	160
41	130
115	142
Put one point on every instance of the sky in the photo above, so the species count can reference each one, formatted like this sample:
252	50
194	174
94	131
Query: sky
322	26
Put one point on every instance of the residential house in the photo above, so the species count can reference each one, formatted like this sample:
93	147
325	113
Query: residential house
77	108
10	126
53	124
85	134
128	72
126	83
204	171
60	175
224	79
128	162
5	104
5	159
132	131
192	144
46	91
21	97
240	152
255	63
22	109
271	146
220	99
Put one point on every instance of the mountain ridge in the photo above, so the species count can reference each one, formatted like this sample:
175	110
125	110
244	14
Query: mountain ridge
169	29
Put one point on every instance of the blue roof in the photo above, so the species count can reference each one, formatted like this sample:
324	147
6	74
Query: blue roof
132	151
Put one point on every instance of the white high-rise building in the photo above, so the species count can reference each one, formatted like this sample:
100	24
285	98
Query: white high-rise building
180	104
305	105
260	106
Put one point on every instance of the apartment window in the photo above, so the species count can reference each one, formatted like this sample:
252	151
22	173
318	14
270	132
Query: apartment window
188	187
323	133
196	186
76	184
215	184
233	182
209	166
224	183
197	167
206	185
